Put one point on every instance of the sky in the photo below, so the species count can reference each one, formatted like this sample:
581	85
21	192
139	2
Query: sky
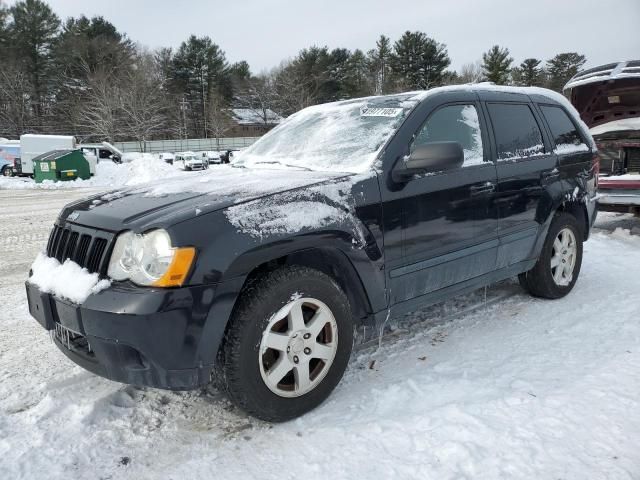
266	32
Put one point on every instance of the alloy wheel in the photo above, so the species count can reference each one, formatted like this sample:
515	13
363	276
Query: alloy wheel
563	257
298	347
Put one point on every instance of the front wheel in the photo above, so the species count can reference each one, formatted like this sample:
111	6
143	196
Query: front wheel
558	266
288	344
7	171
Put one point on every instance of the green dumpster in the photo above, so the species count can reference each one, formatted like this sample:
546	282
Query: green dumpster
60	165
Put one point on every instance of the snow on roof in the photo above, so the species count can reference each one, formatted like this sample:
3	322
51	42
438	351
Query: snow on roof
250	116
617	125
610	71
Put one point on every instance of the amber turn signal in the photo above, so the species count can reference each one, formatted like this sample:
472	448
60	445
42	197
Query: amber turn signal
179	268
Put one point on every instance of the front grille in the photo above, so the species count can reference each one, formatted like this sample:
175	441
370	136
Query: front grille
88	251
610	161
633	160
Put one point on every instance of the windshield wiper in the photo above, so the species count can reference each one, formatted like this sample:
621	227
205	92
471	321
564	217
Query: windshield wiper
276	162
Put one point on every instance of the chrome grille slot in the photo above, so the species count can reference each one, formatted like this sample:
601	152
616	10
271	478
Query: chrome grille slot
95	254
62	244
85	249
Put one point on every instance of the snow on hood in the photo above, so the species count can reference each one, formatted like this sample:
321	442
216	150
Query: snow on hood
179	197
323	205
68	280
237	184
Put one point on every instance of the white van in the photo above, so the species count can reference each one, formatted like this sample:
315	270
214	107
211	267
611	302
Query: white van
190	161
32	145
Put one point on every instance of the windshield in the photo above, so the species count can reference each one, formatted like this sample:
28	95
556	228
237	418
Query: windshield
342	136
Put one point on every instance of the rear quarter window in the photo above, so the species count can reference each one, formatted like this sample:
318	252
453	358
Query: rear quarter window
563	130
516	130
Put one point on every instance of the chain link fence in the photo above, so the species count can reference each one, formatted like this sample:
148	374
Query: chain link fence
185	145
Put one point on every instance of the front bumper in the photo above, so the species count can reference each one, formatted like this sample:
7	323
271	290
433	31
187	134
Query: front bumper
619	194
163	338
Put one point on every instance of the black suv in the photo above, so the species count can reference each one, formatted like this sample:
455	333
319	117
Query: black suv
262	275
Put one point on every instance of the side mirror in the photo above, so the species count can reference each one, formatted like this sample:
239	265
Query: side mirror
430	157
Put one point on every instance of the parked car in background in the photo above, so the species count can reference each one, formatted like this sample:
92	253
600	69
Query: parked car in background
226	156
167	157
6	168
9	153
190	161
345	215
212	157
102	151
608	100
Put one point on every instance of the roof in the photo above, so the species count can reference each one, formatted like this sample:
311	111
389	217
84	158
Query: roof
250	116
54	154
603	73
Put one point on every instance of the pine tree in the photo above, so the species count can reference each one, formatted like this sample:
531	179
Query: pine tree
357	81
380	62
419	61
496	65
4	30
32	33
530	72
562	67
198	70
87	45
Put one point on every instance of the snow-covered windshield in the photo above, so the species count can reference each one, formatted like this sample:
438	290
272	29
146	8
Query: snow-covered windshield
342	137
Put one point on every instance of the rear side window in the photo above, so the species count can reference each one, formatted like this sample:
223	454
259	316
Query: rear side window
516	130
454	123
563	129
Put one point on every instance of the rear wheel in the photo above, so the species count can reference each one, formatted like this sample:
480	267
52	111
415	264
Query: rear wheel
288	344
558	266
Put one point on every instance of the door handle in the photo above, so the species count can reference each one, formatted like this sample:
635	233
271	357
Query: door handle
487	187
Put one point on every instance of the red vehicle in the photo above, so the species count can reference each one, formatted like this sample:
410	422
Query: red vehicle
608	100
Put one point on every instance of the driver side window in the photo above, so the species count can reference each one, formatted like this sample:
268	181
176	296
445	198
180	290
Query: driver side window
454	123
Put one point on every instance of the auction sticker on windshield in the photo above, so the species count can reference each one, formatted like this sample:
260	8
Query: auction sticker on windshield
380	112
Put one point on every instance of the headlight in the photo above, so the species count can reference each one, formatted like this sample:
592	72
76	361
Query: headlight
150	260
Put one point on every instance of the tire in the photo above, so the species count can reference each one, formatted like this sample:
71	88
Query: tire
246	363
547	281
7	172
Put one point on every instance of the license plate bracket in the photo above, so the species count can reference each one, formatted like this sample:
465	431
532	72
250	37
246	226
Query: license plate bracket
40	306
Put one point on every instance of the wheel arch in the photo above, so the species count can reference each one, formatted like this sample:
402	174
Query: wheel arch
329	260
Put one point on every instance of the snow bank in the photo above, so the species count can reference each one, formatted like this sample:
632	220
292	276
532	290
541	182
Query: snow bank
68	280
141	169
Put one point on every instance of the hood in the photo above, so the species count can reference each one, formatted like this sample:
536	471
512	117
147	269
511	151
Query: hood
606	102
172	200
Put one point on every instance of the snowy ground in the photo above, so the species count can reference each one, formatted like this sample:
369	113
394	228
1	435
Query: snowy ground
514	388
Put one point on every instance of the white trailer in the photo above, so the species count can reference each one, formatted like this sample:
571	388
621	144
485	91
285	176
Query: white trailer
32	145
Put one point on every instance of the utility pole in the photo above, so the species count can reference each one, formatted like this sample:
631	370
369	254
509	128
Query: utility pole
183	109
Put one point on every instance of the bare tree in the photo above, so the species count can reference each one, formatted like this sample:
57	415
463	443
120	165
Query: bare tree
219	120
259	97
15	102
142	102
291	94
471	73
102	111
